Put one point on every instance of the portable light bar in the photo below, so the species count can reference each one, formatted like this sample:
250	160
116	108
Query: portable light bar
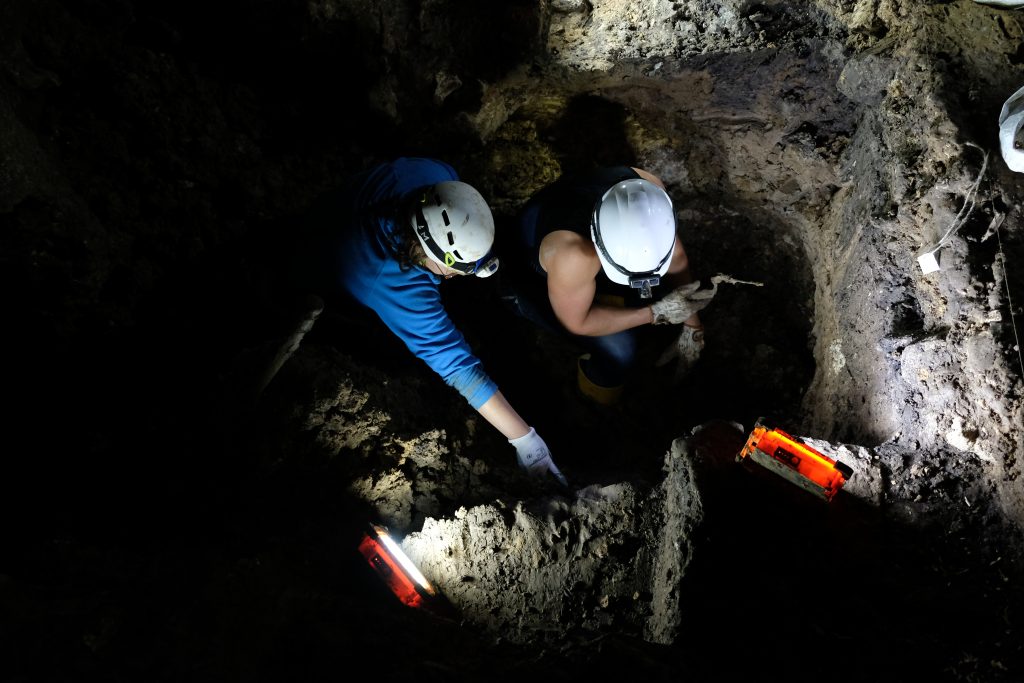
790	458
395	568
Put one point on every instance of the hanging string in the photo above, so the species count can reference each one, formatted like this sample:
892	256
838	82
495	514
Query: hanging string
961	218
967	208
1006	284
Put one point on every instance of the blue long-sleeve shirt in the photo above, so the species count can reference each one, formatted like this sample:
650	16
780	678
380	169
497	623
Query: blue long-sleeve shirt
407	301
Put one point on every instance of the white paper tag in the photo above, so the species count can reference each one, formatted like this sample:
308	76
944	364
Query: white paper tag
928	262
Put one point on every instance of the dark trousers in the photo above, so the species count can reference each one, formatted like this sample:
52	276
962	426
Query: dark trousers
524	292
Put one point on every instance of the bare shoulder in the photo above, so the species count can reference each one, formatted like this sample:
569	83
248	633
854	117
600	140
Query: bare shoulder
563	252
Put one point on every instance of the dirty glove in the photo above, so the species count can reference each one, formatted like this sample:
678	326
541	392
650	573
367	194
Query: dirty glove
681	303
686	349
535	457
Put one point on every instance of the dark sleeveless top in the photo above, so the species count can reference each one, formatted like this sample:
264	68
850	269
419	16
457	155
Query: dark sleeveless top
567	204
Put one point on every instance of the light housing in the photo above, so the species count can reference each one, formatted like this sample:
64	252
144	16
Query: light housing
795	461
385	556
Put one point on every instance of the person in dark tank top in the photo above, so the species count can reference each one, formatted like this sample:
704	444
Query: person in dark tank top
596	250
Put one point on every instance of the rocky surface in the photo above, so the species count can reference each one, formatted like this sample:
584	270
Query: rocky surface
167	519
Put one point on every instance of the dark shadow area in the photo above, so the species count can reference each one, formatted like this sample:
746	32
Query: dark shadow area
843	590
758	354
461	37
589	133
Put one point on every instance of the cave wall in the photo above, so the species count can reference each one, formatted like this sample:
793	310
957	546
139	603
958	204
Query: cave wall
860	134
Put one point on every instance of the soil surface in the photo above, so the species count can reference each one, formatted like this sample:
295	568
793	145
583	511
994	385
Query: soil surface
196	455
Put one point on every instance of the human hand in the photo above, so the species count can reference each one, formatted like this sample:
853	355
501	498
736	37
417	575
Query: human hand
534	456
682	303
686	349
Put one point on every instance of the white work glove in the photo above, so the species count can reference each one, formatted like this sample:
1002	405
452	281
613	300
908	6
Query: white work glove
534	456
686	349
681	303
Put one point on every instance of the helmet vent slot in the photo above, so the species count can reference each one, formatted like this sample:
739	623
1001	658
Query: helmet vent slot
451	238
447	221
457	255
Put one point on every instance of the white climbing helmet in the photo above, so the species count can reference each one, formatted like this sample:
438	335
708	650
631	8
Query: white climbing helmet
455	227
634	230
1011	120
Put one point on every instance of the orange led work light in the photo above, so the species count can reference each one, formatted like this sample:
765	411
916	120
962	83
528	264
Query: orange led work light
794	460
395	568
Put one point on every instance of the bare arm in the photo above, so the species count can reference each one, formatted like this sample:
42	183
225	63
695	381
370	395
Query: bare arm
532	454
572	266
503	417
679	269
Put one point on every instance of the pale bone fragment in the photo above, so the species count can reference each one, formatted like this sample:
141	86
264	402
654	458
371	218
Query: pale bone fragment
728	279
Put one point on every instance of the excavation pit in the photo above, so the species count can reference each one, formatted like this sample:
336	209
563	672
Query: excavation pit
155	157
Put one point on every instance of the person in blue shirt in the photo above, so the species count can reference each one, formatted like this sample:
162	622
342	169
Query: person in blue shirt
387	240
